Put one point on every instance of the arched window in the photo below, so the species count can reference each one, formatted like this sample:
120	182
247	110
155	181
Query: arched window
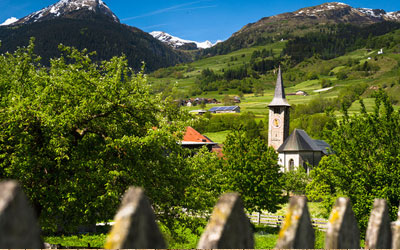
291	165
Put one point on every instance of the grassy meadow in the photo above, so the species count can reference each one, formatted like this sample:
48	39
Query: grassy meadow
264	237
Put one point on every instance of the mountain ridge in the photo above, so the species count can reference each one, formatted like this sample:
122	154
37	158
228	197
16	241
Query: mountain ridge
179	43
69	9
91	25
298	23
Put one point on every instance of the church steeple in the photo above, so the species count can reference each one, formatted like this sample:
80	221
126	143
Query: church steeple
279	97
279	112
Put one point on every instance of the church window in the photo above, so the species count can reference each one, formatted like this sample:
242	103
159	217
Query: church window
291	165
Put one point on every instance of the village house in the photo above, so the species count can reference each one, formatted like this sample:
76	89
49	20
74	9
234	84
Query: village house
197	101
193	139
225	109
295	150
299	92
198	111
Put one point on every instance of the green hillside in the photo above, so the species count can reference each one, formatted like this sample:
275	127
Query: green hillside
328	83
106	38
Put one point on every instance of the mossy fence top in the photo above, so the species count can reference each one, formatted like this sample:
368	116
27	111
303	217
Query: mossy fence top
228	228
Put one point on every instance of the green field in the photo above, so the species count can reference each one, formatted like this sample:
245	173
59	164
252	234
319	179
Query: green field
218	137
387	78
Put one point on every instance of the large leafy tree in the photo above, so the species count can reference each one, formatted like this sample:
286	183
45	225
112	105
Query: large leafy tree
77	134
366	163
251	168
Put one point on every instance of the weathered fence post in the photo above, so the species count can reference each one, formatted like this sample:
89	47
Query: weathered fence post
228	227
342	229
379	233
259	218
135	225
18	224
297	231
396	232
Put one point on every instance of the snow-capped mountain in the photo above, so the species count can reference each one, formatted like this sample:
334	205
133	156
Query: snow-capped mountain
70	8
345	9
307	20
9	21
179	43
91	25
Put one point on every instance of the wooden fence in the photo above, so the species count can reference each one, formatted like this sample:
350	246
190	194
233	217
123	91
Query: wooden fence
228	228
277	220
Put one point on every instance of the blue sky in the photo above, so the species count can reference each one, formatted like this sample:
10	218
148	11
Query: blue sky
192	20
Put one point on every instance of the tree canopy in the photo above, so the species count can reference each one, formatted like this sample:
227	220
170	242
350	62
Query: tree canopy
77	134
251	168
366	162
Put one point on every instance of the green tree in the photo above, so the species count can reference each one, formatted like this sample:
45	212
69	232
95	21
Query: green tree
228	100
251	169
295	181
207	179
77	134
366	162
341	75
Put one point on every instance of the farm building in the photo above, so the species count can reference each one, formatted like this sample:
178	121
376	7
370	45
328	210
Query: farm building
299	92
225	109
198	111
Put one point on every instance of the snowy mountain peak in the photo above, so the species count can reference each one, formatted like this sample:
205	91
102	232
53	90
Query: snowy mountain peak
341	8
312	11
67	8
9	21
377	13
177	42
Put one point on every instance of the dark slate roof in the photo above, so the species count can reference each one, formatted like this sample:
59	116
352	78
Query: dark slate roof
299	140
325	147
227	108
279	98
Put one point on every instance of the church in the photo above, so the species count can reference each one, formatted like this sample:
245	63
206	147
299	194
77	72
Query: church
297	149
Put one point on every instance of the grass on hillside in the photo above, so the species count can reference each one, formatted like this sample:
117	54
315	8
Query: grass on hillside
387	77
218	137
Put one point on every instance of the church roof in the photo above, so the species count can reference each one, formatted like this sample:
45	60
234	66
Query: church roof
279	97
325	147
299	140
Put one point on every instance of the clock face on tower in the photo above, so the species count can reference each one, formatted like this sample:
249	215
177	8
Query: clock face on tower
276	123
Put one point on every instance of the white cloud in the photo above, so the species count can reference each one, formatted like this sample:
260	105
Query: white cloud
169	9
9	21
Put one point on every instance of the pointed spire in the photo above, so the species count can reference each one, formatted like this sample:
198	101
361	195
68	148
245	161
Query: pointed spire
279	89
279	97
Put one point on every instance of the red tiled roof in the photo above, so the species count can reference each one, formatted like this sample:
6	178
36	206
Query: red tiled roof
192	135
218	151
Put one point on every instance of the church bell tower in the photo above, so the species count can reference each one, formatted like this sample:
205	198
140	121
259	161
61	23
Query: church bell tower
278	129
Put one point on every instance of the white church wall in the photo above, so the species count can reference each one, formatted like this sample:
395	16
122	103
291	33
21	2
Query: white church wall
284	159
